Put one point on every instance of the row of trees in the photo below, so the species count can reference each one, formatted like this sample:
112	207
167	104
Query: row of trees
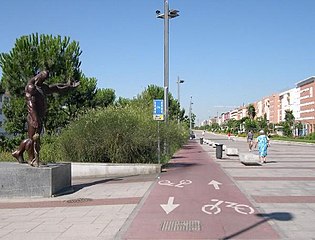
253	123
60	56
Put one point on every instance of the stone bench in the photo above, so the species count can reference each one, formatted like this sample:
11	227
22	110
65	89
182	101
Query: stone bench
231	151
249	159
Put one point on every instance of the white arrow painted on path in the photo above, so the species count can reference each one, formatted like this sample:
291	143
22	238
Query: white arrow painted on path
215	184
170	206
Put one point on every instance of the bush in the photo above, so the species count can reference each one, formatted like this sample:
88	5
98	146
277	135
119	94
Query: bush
116	135
6	156
8	144
311	136
50	149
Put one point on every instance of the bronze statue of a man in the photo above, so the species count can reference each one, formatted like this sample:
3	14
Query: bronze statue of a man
35	96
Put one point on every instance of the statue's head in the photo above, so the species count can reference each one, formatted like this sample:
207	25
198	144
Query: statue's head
41	77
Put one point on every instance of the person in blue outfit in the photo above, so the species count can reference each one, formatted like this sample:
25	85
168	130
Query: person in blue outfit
250	140
263	143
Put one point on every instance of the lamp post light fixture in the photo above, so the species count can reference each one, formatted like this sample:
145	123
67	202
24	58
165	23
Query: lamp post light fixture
179	81
166	16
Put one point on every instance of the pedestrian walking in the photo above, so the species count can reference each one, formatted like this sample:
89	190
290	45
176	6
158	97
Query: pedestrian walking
229	135
250	140
263	143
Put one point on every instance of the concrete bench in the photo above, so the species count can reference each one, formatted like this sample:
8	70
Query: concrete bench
249	159
231	151
206	141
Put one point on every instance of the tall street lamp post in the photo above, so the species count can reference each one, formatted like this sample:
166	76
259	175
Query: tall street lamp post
190	113
179	81
166	16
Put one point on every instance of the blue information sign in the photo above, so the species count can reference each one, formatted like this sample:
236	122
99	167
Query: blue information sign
158	109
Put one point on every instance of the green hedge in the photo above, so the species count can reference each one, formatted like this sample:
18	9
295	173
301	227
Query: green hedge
116	135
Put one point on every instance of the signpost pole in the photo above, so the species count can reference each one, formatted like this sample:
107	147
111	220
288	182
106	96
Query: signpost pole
159	144
158	115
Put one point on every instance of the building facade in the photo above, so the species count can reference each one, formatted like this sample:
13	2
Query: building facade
289	100
300	100
307	104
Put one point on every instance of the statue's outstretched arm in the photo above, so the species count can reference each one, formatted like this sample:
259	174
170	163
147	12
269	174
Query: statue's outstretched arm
62	87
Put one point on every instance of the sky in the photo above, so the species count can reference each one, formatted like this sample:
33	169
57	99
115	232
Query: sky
228	52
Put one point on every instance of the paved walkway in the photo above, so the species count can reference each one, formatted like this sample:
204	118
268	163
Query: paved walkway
97	209
281	192
284	188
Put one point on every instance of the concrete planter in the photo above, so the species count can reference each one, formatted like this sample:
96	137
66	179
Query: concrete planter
112	169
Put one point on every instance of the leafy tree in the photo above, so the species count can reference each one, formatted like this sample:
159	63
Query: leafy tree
85	97
30	55
288	124
251	111
152	92
2	90
289	117
155	92
250	125
122	102
262	123
34	53
287	131
215	126
14	111
232	125
104	97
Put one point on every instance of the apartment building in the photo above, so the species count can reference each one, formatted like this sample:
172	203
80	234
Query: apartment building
225	116
307	104
234	114
289	100
259	108
273	108
242	112
300	100
268	107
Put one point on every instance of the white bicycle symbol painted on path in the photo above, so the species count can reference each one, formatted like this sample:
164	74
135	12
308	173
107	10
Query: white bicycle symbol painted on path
215	209
179	185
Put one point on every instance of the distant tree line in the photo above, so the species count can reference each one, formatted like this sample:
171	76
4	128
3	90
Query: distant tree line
255	124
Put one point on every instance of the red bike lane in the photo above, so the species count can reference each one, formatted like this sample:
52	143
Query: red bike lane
195	199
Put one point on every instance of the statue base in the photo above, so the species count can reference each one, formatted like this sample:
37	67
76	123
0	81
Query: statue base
22	180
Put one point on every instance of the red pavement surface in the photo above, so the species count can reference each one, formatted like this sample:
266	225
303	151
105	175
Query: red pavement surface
194	164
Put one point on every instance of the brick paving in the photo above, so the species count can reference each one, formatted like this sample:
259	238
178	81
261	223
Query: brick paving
285	185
